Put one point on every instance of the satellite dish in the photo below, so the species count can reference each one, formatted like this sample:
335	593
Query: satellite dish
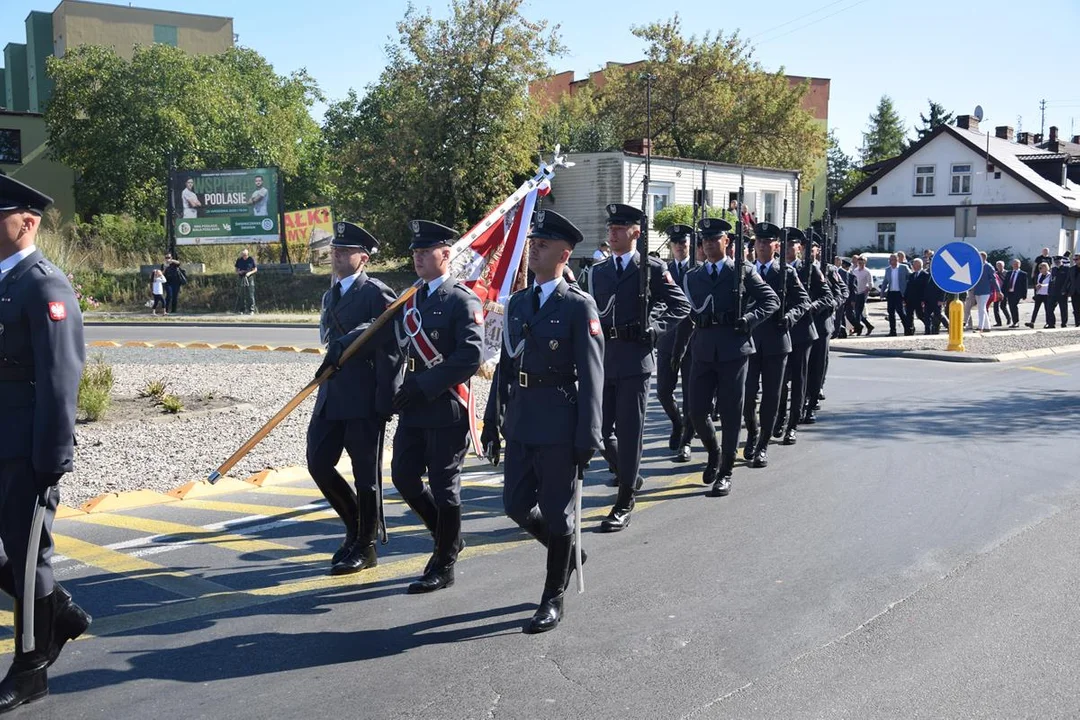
978	113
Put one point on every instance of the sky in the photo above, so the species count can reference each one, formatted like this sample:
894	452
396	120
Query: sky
1001	55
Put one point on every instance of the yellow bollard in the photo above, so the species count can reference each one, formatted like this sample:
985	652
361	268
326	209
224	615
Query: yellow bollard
956	326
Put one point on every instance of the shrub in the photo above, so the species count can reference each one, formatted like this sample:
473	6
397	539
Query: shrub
95	387
154	389
171	404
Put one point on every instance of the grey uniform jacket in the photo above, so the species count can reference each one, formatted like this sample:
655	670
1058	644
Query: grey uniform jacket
619	304
825	317
41	363
715	338
676	336
561	341
769	337
454	321
365	385
805	331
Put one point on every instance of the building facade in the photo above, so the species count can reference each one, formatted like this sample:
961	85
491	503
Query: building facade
1023	196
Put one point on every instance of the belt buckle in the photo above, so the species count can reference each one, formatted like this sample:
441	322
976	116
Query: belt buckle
412	364
523	379
613	333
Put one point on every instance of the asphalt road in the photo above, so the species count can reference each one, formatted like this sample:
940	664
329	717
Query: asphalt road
913	556
223	333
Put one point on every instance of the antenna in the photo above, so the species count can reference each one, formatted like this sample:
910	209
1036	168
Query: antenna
978	113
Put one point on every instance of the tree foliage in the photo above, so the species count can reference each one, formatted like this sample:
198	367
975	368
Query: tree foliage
711	100
448	130
843	171
885	137
577	123
938	116
117	123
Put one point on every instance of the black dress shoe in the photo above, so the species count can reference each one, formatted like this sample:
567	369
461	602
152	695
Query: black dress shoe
23	685
69	622
549	613
1030	325
761	458
342	551
821	396
810	417
712	466
1048	327
440	569
359	557
684	454
790	436
778	428
722	484
440	576
560	560
619	517
748	448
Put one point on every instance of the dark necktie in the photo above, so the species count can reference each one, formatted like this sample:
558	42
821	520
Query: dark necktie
335	295
536	299
618	267
712	271
423	292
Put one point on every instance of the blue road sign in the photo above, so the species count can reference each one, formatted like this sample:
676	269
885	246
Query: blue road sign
956	267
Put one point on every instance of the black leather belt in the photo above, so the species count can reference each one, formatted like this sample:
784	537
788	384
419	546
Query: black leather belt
535	380
16	373
629	331
417	365
704	321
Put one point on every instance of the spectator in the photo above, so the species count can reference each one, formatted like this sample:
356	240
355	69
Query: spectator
602	252
1042	295
1074	288
1016	289
1043	258
894	287
1059	291
245	289
927	256
863	281
157	289
983	291
175	278
933	303
916	290
1000	305
901	257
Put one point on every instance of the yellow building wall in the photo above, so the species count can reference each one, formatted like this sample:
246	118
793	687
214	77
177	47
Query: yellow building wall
122	27
37	169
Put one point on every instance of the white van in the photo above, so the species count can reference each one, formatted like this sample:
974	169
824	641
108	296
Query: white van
877	264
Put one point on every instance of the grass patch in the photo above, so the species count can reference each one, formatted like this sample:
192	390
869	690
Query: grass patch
154	389
95	388
171	404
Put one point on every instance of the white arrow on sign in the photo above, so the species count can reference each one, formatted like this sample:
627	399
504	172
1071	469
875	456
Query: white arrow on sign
960	273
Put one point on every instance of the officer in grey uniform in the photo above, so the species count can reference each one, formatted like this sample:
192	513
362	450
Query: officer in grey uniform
433	416
720	345
671	351
628	350
803	335
354	405
41	361
772	344
826	328
551	373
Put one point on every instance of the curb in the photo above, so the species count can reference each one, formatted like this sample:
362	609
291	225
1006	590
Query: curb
181	323
172	345
947	356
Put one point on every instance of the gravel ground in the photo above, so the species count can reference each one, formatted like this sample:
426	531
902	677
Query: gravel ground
166	452
992	343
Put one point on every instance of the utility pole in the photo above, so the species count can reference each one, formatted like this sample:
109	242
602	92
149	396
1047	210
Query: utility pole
1042	114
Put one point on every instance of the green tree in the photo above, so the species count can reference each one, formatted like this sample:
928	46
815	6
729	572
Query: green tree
938	116
885	136
448	130
117	123
577	124
712	101
843	172
678	215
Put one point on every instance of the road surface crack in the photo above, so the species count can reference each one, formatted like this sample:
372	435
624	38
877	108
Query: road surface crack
494	704
562	672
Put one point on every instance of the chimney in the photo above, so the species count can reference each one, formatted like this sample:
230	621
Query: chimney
1037	139
967	122
1024	138
1053	133
1005	132
637	145
1076	139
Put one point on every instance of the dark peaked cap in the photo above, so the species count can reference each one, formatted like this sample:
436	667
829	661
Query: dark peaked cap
795	235
712	227
678	233
349	235
619	214
550	225
430	234
15	195
766	231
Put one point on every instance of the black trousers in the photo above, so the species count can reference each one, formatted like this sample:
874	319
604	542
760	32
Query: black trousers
1014	308
894	302
768	372
1000	306
540	478
795	377
725	381
326	439
439	451
1062	302
858	311
816	369
666	380
1040	301
623	425
18	501
1076	310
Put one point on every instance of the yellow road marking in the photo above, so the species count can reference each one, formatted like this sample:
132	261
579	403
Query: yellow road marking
1048	371
118	563
253	509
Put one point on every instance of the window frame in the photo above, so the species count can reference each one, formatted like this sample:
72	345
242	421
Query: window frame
924	176
766	196
885	238
667	192
16	147
954	176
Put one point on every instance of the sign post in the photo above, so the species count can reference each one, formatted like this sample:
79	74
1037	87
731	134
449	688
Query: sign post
956	268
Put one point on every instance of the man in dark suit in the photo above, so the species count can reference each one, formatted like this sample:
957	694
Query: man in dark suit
41	363
628	348
670	349
1059	291
442	331
354	405
720	346
551	374
915	292
1016	289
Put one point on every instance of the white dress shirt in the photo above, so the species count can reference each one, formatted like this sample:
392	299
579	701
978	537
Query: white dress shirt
894	279
546	289
347	282
7	265
433	285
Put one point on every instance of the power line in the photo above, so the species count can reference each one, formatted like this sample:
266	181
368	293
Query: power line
813	12
813	22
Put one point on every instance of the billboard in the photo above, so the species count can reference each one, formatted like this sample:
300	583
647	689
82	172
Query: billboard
219	207
309	225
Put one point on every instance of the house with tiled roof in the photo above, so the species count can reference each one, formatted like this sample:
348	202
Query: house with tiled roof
1027	197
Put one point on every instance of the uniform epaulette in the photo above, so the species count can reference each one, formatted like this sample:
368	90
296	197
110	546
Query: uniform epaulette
576	289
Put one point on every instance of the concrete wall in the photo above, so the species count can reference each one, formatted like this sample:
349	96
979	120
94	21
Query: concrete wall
39	46
36	169
82	23
17	96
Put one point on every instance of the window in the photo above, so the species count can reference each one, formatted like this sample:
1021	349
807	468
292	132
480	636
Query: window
708	197
924	179
660	195
961	180
165	34
10	146
771	213
886	237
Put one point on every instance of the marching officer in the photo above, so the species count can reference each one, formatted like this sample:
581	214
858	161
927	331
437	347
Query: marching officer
772	344
671	353
628	349
551	374
441	334
826	326
803	335
720	346
41	362
354	405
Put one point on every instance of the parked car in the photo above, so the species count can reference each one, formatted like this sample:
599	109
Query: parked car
877	264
